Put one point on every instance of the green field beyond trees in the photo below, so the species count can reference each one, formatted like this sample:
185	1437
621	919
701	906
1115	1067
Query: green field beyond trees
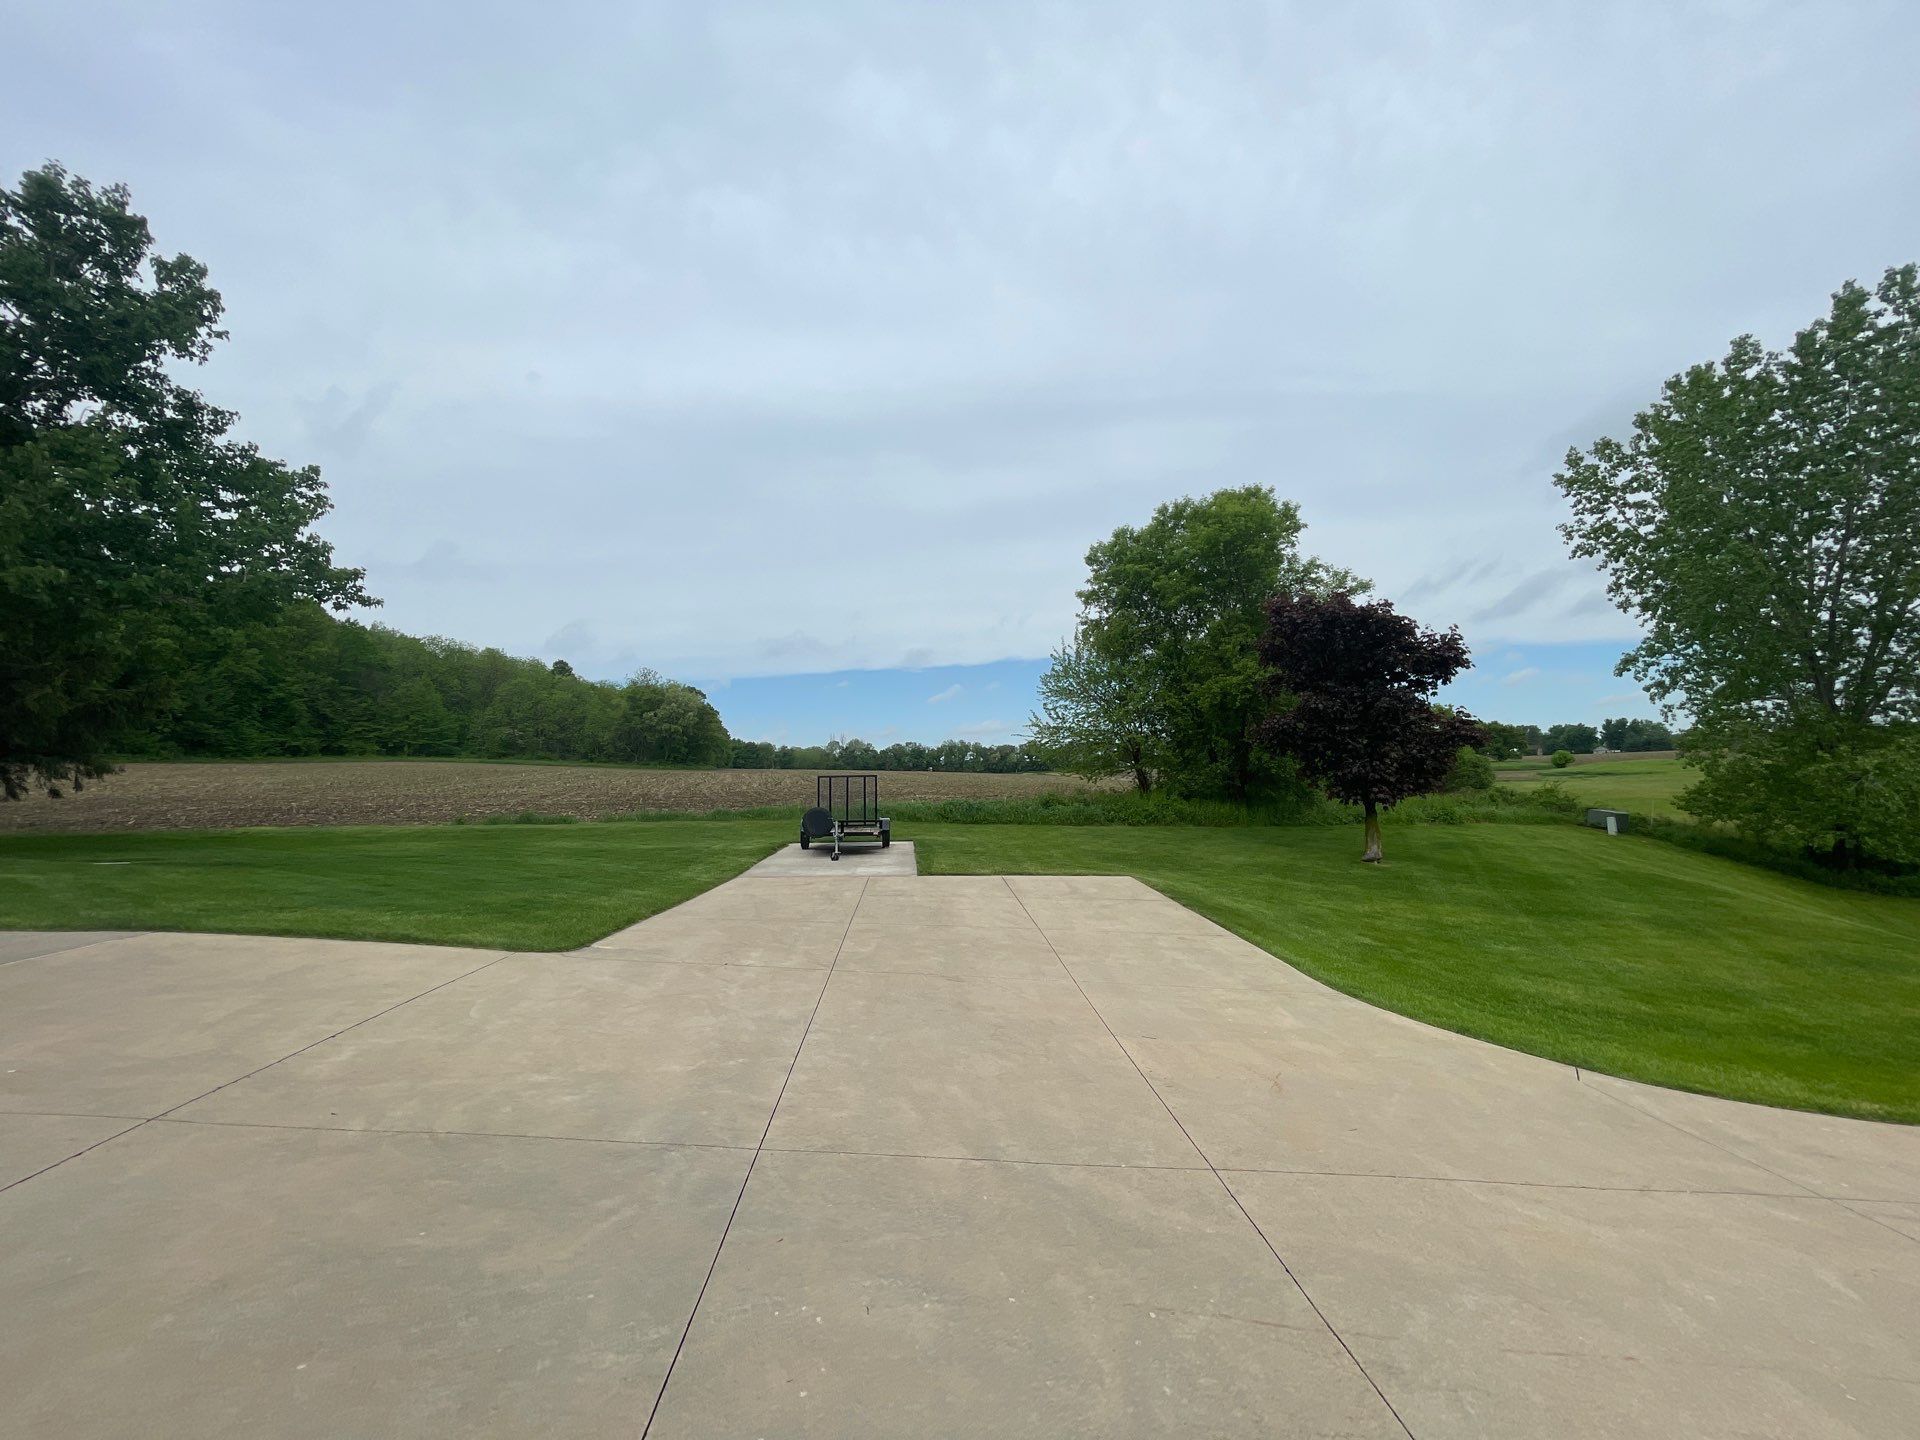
1644	785
1626	956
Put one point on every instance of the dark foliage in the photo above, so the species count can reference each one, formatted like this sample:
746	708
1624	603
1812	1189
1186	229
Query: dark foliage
1162	682
1363	723
1634	735
1508	742
1575	738
131	526
304	683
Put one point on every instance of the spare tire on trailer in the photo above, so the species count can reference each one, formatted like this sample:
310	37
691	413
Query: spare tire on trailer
816	824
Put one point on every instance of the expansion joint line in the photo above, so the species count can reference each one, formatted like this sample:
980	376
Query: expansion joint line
747	1179
1207	1160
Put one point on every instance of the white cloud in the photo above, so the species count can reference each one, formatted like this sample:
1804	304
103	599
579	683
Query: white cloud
893	311
941	697
1521	676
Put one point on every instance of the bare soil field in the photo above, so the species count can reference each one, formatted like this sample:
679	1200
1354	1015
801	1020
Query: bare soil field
156	796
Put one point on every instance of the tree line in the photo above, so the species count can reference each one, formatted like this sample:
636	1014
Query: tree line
1510	742
965	756
302	682
163	590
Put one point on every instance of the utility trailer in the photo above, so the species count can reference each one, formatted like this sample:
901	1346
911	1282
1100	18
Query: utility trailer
845	806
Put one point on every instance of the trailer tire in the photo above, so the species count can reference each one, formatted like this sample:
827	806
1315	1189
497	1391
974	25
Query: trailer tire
834	856
886	838
806	841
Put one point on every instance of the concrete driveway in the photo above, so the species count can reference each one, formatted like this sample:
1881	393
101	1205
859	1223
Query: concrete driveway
850	1156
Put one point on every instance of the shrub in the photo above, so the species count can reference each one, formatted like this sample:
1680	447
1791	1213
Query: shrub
1471	771
1562	759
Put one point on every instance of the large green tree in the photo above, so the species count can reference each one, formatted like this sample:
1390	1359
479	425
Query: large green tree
130	524
1172	613
1762	523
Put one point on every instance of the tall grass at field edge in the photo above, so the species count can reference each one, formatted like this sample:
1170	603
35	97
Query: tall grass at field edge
1542	804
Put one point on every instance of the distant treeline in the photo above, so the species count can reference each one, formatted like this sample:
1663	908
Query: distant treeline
1509	742
305	683
908	755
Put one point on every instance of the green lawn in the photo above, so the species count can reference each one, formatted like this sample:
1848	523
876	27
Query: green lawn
1623	955
508	887
1615	782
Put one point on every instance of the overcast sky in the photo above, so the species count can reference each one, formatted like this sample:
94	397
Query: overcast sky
760	340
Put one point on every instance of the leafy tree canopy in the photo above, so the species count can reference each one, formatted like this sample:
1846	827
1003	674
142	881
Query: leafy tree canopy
1361	718
1622	733
1091	722
1171	615
129	522
1574	737
1762	522
1508	742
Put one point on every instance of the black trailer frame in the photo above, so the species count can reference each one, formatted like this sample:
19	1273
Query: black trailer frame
844	806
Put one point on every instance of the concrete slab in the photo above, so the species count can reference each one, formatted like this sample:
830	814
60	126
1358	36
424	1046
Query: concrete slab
855	859
1080	887
776	901
1076	916
1213	962
1509	1248
218	1281
25	944
136	1026
1522	1311
600	1049
956	952
1901	1215
1847	1159
938	902
30	1143
680	939
1321	1096
1016	1070
861	1296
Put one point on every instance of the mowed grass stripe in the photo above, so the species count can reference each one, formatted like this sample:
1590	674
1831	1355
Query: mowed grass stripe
510	887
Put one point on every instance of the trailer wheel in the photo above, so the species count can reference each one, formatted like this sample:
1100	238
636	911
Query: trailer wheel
806	841
834	856
886	838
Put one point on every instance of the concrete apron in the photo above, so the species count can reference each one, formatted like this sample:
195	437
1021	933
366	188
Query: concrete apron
858	857
839	1154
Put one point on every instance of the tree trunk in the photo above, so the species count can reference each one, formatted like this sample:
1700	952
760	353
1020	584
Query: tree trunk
1372	857
1142	781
